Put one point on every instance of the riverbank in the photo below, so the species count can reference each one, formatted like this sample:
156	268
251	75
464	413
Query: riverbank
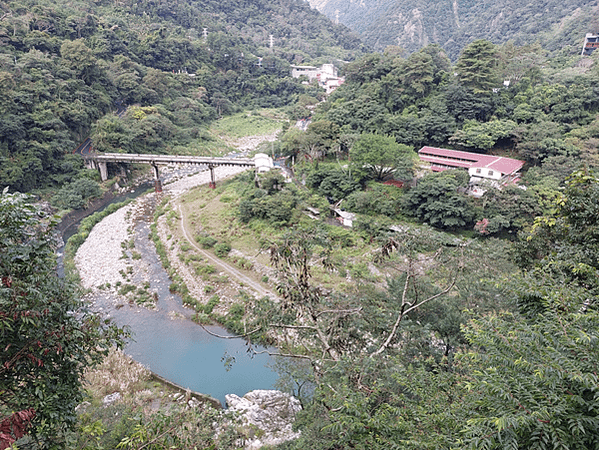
100	258
119	267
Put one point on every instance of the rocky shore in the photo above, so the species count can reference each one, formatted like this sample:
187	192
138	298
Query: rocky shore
99	259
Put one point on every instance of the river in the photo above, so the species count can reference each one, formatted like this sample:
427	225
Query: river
165	339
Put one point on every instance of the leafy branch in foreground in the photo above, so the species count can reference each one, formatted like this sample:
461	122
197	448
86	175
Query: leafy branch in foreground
47	335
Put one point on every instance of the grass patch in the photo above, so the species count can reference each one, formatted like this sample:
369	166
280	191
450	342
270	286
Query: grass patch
206	242
248	124
205	269
212	303
222	249
127	288
242	263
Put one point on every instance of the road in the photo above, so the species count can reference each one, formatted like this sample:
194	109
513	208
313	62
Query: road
232	271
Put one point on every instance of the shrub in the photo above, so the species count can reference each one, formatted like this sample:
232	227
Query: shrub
202	318
205	269
212	303
126	288
75	195
236	312
222	249
206	241
243	263
332	182
379	199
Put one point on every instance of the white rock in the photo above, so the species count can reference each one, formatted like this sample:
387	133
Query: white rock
111	398
270	411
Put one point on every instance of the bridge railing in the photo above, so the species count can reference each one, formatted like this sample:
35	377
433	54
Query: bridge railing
170	159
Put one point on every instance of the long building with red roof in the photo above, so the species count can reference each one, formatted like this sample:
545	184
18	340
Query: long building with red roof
497	168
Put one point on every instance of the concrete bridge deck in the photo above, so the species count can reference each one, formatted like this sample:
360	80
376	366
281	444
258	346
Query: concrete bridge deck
170	159
100	160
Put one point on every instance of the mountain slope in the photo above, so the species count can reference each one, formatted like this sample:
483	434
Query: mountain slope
65	65
413	24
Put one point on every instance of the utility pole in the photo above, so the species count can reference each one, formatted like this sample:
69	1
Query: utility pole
271	41
337	16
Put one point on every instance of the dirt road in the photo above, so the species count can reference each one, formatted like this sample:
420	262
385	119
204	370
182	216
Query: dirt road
232	271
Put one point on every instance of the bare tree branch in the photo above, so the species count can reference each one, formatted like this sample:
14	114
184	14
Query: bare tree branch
403	312
296	327
284	355
340	311
237	336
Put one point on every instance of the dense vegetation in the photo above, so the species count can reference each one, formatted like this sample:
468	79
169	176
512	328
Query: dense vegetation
435	361
398	333
66	66
546	116
48	335
560	26
456	349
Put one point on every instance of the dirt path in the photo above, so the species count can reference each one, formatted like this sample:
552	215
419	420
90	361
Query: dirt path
240	277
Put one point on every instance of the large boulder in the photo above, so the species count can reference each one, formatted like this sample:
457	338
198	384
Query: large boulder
266	416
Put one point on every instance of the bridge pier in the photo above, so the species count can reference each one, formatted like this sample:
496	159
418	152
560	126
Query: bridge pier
157	182
89	163
103	170
101	160
212	183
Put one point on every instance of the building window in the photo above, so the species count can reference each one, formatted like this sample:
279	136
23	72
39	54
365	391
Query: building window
490	173
478	170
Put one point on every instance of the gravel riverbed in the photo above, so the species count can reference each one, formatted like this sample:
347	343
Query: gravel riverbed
100	258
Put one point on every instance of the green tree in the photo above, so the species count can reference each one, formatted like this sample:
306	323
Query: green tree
483	136
537	379
75	195
332	182
436	200
79	58
537	370
378	155
47	335
324	134
417	73
477	67
508	208
566	242
377	199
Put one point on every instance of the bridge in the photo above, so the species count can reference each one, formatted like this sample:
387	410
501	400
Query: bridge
100	160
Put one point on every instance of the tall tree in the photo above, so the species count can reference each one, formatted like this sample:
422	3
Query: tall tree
477	67
47	335
436	200
378	155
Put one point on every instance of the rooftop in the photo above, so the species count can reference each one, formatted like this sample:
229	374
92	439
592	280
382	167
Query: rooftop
467	160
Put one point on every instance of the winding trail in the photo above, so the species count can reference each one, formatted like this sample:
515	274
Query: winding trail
257	287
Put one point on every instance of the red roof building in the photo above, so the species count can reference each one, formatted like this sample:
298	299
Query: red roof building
479	166
490	166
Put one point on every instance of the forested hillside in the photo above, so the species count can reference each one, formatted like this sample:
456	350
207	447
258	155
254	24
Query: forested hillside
66	65
557	25
503	100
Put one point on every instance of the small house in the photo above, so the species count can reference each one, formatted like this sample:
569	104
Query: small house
344	217
263	162
591	42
